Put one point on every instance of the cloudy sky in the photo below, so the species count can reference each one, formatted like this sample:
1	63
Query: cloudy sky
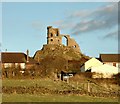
94	25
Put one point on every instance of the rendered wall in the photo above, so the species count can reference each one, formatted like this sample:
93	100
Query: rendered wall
91	63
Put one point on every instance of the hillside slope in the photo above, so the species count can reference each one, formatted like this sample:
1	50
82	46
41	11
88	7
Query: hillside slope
54	58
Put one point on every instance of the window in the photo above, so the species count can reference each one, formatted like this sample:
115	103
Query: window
51	39
74	46
22	65
16	65
51	35
114	64
7	65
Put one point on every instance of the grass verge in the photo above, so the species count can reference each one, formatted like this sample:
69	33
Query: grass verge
53	98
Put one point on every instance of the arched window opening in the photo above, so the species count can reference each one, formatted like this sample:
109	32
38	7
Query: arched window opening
74	46
64	41
51	35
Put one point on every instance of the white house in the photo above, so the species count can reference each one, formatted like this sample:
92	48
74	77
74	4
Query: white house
99	69
111	59
90	63
17	60
104	71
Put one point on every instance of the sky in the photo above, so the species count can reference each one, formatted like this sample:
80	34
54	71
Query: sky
94	25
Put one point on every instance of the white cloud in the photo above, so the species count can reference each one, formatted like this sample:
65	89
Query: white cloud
112	35
100	19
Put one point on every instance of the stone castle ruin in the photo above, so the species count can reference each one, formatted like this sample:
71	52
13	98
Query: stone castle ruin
54	37
56	47
56	57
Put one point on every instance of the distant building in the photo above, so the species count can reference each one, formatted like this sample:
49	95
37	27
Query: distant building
111	59
16	60
99	69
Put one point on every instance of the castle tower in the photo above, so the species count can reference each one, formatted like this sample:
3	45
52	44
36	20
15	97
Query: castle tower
53	36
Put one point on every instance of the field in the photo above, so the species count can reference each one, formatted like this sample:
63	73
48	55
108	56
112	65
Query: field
46	92
53	98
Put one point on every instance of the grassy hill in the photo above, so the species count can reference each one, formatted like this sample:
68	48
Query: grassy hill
54	58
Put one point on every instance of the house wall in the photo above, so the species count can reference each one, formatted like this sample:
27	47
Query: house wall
90	63
102	75
116	64
104	71
30	66
16	65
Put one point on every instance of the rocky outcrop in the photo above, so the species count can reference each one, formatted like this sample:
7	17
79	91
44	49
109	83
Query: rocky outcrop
54	56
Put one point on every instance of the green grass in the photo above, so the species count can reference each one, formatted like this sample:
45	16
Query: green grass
53	98
26	82
50	84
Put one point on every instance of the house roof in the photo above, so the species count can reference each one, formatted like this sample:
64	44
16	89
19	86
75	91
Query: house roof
14	57
110	57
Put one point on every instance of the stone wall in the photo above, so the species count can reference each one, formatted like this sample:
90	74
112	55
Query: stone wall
54	37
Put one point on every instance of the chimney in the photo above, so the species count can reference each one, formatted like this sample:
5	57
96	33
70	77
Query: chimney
27	55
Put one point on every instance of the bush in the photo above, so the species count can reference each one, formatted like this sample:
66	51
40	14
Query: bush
117	78
81	77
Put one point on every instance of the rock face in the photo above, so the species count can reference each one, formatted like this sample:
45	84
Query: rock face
56	56
57	51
